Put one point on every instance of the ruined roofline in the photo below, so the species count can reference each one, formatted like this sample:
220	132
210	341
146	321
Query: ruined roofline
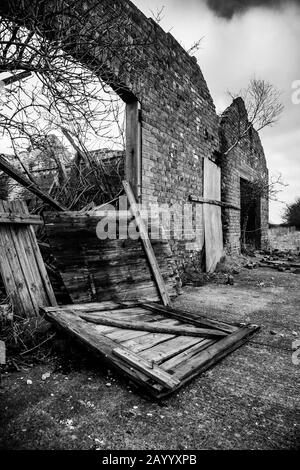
8	8
228	117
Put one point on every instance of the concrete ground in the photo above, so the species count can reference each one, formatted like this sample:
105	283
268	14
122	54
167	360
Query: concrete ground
250	400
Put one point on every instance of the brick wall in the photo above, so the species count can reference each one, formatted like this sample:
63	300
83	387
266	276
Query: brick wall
246	161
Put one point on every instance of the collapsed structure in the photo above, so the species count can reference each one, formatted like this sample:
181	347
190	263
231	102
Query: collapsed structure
172	127
176	154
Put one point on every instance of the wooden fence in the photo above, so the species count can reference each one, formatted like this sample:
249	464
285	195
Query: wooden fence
21	265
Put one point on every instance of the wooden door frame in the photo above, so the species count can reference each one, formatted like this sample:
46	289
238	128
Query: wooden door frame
133	166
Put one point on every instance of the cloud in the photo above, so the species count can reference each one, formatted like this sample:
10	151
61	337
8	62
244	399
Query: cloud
229	8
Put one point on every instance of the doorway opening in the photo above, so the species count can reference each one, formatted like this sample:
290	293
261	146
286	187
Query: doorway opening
250	217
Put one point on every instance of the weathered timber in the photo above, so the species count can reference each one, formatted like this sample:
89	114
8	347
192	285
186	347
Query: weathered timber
215	352
147	245
7	168
212	215
142	355
161	352
157	327
147	368
88	335
98	270
6	218
16	78
21	265
184	357
193	318
214	202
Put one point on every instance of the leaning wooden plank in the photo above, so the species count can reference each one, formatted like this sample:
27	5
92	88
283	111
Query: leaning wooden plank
6	218
147	245
181	330
193	318
214	353
102	346
147	368
17	176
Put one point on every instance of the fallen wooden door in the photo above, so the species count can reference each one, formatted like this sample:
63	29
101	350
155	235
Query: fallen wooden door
21	265
212	215
160	348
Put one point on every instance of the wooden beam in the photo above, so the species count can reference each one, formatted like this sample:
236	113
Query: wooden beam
147	368
82	155
195	319
202	200
147	245
133	147
6	218
154	327
7	168
214	353
15	78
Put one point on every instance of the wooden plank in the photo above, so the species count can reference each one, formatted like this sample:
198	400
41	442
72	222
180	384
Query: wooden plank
88	307
15	78
19	295
184	357
212	215
2	353
214	353
88	335
133	147
203	200
147	368
147	245
6	218
141	343
39	260
188	317
7	267
168	349
118	269
155	327
119	335
21	273
25	270
27	260
17	176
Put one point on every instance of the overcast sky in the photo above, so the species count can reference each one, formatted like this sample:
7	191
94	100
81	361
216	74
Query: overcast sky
255	40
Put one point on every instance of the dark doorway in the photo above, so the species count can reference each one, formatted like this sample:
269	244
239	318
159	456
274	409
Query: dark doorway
250	217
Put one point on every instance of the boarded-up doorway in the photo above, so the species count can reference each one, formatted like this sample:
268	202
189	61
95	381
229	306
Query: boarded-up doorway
212	215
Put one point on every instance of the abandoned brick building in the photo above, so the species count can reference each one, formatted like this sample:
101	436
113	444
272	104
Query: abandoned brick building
172	128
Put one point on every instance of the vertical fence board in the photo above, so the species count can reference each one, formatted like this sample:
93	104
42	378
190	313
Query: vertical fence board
21	265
